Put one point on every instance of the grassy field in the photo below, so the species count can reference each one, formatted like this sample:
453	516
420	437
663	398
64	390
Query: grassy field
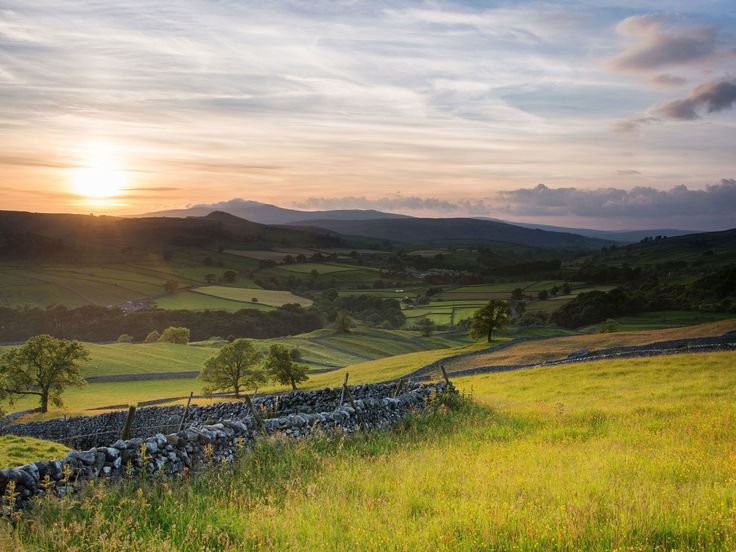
609	455
16	451
560	347
254	295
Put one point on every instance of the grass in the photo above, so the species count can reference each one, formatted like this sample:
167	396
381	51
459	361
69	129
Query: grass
17	451
560	347
246	295
611	455
190	300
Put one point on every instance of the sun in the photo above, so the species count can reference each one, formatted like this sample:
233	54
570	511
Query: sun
99	177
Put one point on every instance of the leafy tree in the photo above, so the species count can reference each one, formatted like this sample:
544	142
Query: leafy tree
210	278
609	326
296	354
543	295
170	286
426	326
343	322
180	336
236	365
125	338
280	366
517	294
152	337
494	315
229	276
566	289
44	366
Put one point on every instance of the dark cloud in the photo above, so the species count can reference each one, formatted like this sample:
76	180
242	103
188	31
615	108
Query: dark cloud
640	202
712	96
656	45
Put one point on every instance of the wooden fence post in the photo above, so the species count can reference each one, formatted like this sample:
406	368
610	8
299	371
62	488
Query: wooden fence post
186	411
342	393
397	391
256	414
128	423
444	375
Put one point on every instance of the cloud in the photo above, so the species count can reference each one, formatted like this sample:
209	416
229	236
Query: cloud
398	203
713	96
639	202
633	124
655	45
628	172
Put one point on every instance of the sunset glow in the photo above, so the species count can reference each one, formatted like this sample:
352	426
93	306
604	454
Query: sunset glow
99	178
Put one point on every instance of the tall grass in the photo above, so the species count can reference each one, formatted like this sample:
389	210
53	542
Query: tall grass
611	456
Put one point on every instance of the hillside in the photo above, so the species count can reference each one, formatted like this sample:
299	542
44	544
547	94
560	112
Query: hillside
704	248
33	235
599	456
265	213
467	230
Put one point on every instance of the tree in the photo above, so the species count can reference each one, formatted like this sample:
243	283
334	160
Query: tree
170	286
543	295
152	337
229	276
44	366
235	366
125	338
517	294
566	289
343	322
210	278
280	366
609	326
180	336
494	315
426	326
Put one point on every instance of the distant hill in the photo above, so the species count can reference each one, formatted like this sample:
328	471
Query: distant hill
265	213
27	235
626	236
455	230
703	248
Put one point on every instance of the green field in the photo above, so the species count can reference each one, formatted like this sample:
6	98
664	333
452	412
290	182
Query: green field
17	451
253	295
609	455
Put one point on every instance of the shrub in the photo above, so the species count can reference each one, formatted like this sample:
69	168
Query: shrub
176	335
153	337
125	338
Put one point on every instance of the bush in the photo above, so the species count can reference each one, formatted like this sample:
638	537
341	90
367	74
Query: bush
180	336
153	337
125	338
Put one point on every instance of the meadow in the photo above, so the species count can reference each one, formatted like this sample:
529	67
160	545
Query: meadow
17	451
608	455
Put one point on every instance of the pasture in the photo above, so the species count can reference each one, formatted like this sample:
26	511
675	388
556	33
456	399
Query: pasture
16	451
608	455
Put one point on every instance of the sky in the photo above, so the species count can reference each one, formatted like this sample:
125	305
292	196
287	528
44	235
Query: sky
605	114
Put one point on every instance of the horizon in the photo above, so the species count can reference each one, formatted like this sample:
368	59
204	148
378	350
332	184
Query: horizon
615	117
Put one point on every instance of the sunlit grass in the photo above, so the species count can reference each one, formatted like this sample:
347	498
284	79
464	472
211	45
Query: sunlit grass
628	455
16	451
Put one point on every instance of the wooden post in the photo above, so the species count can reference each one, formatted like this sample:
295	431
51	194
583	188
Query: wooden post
398	387
128	423
256	414
186	411
444	375
358	413
344	386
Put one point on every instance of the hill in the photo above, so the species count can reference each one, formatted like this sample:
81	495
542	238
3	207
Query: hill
704	248
626	236
34	235
266	213
465	230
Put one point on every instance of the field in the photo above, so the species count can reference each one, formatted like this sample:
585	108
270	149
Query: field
624	455
128	278
16	451
560	347
229	298
323	350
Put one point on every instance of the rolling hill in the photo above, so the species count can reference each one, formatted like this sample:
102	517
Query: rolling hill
266	213
454	230
31	235
705	248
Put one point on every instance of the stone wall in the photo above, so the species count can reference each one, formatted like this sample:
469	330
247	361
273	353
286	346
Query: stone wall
213	435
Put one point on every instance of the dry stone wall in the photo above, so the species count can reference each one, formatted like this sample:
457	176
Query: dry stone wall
213	434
